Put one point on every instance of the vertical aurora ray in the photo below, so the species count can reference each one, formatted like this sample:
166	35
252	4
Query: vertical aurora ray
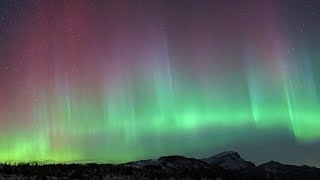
115	81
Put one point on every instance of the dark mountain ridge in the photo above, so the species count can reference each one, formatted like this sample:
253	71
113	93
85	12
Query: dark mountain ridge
223	166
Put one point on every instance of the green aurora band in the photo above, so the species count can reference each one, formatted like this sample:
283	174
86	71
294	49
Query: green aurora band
121	120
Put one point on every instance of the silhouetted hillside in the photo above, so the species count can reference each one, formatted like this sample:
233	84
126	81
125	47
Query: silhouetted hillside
224	166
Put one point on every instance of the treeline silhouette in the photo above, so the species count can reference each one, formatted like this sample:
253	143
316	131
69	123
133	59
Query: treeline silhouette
101	171
93	171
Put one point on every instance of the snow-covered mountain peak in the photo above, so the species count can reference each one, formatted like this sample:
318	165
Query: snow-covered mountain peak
230	160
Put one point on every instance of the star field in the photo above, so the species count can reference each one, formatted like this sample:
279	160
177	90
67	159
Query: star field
120	80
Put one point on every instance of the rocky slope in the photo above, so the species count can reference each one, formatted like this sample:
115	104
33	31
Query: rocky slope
276	170
170	163
229	160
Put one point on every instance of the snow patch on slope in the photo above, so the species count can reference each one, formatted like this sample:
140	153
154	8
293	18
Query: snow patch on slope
170	163
229	160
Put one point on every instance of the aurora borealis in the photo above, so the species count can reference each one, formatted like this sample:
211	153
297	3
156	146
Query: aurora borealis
120	80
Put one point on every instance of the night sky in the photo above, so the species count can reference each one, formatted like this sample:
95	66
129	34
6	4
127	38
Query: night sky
119	80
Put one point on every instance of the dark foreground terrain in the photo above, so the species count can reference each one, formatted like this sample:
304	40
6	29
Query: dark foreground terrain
223	166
